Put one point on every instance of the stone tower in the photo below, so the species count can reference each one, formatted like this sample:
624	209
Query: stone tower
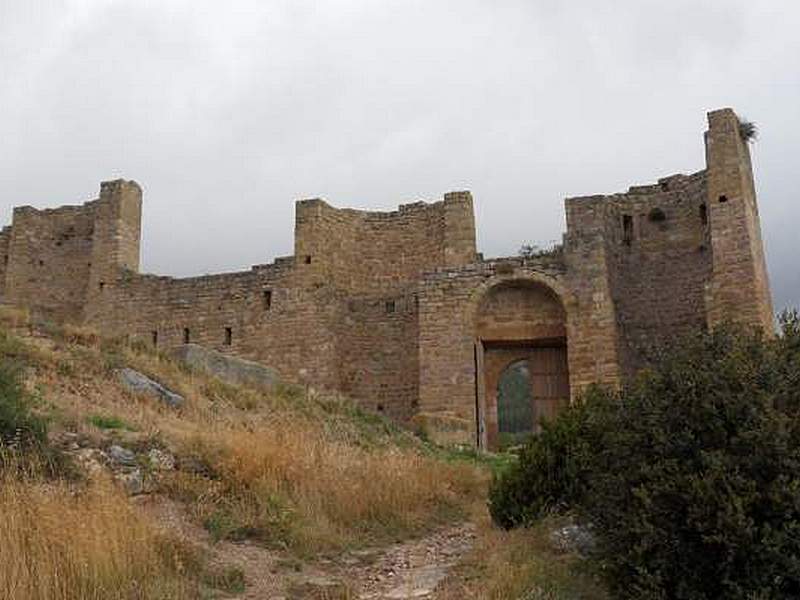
739	286
115	241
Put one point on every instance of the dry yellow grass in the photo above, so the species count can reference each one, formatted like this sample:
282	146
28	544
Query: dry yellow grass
12	317
290	482
60	544
289	467
521	563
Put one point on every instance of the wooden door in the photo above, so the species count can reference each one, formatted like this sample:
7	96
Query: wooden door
549	382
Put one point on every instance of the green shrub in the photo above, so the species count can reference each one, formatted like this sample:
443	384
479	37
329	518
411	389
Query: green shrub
690	477
550	474
109	422
19	427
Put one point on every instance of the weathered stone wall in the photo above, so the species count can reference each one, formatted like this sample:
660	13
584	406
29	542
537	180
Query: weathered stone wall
658	262
56	261
592	332
260	315
378	354
49	259
342	313
383	252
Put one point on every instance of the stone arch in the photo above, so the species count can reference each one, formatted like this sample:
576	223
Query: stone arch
554	285
520	318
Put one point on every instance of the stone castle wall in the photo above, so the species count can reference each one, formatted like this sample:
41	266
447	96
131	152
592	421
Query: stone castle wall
49	258
397	309
658	261
258	314
366	252
340	314
377	350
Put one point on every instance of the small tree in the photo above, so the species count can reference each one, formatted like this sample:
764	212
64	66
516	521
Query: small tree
748	130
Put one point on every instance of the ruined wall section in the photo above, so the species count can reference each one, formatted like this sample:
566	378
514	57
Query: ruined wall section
377	348
660	257
49	256
260	315
382	253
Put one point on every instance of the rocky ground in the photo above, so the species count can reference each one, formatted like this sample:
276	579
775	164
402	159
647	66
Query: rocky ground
412	569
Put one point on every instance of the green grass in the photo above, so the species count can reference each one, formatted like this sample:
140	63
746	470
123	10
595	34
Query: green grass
104	422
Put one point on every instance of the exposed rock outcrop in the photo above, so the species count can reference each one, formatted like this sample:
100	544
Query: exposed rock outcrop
229	369
141	384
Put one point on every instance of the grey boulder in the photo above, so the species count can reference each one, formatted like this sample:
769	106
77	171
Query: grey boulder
229	369
141	384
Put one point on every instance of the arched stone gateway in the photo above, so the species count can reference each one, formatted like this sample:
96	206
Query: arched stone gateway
522	375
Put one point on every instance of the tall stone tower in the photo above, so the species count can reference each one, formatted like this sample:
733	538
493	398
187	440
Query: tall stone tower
115	242
739	286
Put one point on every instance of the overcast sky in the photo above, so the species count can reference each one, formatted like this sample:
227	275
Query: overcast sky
227	112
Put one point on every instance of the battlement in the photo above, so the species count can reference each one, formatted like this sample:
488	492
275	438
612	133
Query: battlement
382	252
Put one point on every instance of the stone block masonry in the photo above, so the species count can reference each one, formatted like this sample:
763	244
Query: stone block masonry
399	311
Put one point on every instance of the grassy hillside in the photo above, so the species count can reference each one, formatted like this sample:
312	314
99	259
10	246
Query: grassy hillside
303	474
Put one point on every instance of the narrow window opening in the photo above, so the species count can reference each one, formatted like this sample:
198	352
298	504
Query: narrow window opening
307	259
723	199
101	286
186	335
228	336
5	259
154	335
703	215
390	306
266	298
627	229
41	263
380	408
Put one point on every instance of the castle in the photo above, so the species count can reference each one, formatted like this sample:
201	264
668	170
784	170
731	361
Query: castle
399	311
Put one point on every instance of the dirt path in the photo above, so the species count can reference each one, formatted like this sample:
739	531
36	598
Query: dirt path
411	569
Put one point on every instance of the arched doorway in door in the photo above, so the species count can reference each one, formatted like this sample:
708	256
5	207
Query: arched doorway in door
521	360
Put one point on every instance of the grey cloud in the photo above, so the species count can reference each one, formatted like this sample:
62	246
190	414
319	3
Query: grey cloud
227	113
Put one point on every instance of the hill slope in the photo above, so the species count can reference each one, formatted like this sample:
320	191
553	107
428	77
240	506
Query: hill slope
239	492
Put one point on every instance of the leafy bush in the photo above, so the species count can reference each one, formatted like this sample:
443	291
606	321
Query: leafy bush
19	427
690	477
550	474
